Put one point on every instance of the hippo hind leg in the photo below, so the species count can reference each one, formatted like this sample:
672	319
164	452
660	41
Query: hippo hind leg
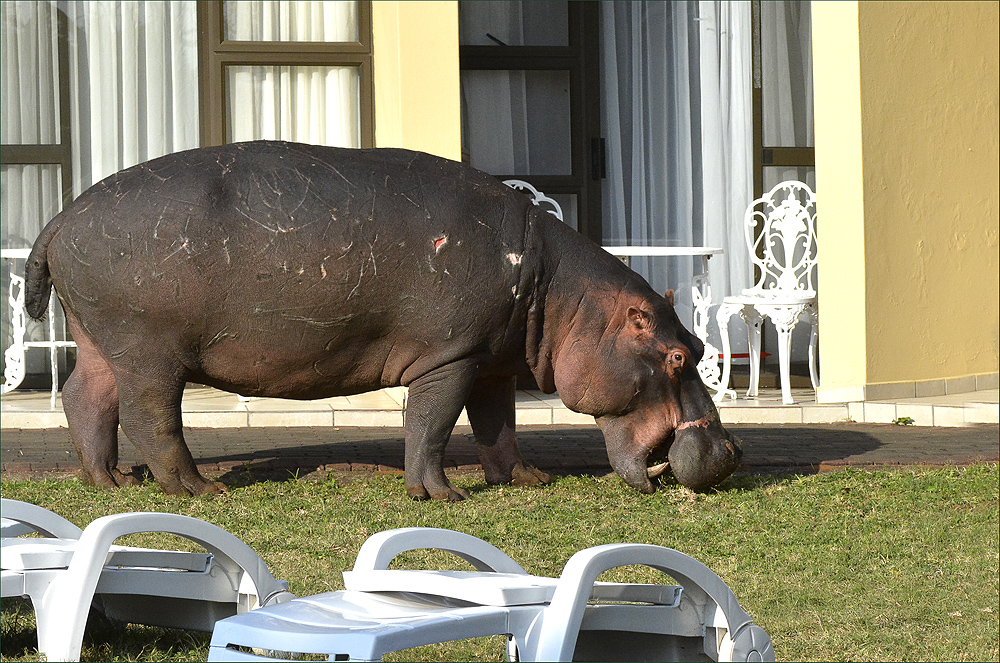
90	400
150	405
491	412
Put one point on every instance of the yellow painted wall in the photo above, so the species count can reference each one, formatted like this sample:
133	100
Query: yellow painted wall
929	103
839	200
927	96
416	75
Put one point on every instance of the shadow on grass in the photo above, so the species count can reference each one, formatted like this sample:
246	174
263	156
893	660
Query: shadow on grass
240	457
573	450
103	639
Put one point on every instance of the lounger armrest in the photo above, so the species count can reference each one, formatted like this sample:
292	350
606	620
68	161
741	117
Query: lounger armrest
76	587
38	519
557	632
380	549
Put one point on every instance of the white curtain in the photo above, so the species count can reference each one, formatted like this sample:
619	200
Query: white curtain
133	87
530	135
726	139
133	84
310	104
295	20
786	81
676	116
786	73
29	108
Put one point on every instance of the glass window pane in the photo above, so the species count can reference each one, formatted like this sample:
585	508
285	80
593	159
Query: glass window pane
290	21
29	62
30	195
517	122
133	84
570	208
318	105
513	23
786	76
774	175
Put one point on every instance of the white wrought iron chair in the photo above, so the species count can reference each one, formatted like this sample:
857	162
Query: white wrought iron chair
537	197
14	356
67	570
546	619
780	231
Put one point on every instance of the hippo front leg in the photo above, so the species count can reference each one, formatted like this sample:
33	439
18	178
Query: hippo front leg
492	414
433	404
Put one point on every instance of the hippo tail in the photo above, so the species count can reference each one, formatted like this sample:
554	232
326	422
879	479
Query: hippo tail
37	281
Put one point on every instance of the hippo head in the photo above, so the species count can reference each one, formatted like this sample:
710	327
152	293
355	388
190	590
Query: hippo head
640	381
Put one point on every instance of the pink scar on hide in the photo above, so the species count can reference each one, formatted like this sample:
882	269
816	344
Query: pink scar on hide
439	242
514	258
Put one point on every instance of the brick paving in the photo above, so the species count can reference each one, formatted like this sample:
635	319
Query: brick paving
788	448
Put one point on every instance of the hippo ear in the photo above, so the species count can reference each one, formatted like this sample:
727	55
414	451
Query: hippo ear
669	296
639	318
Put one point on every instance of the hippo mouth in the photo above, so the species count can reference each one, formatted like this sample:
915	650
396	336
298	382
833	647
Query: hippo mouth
657	462
641	468
700	455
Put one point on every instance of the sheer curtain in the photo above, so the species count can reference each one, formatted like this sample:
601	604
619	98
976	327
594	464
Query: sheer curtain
133	84
29	115
311	104
528	111
676	116
786	85
133	88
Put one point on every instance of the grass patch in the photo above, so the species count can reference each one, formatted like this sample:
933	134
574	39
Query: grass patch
847	565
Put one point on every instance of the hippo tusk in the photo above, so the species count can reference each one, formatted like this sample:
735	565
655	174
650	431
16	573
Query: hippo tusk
656	470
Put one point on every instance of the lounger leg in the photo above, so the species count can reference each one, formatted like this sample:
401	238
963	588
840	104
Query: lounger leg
60	630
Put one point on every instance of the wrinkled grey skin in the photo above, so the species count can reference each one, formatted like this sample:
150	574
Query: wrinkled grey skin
294	271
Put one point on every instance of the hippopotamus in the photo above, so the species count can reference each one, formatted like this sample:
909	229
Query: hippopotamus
296	271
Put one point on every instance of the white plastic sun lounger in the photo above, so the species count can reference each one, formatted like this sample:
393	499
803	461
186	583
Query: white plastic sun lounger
68	570
547	619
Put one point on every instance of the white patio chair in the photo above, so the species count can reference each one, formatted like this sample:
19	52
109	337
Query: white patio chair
68	570
780	231
545	619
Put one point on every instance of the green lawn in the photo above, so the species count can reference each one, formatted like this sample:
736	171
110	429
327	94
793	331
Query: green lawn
848	565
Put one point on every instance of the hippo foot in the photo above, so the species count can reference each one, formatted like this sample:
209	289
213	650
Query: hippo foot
112	478
419	493
528	476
